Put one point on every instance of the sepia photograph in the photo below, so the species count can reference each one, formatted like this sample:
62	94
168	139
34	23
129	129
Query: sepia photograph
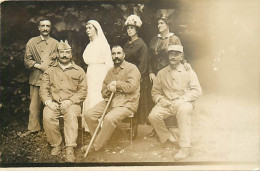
130	85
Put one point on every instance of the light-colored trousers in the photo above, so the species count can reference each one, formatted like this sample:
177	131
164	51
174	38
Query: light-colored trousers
183	115
34	109
52	128
110	122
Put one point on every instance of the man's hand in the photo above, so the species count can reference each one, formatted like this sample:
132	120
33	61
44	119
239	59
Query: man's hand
44	67
108	93
163	102
177	103
40	67
187	66
112	86
152	77
52	105
65	104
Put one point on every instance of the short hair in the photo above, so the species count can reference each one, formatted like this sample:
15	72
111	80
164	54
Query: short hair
43	19
117	45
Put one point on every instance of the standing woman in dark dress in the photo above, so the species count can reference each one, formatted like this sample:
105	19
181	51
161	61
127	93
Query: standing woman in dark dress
158	53
158	56
136	52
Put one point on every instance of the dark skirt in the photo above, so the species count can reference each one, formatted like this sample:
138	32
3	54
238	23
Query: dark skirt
145	102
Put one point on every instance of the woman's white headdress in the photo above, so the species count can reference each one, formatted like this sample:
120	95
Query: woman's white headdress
100	33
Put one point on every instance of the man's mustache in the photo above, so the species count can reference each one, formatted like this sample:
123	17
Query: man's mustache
117	59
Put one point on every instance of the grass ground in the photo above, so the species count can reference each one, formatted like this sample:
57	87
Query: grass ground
224	128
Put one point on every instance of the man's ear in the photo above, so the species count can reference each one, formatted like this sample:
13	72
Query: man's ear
182	56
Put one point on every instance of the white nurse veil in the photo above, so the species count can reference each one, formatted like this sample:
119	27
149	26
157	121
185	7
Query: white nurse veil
100	34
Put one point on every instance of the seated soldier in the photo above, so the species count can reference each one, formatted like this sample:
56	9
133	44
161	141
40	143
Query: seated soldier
124	80
173	91
63	89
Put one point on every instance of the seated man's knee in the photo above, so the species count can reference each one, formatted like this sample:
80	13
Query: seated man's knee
73	110
109	119
89	115
153	115
185	107
47	114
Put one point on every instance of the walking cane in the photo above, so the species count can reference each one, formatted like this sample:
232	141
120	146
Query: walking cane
99	124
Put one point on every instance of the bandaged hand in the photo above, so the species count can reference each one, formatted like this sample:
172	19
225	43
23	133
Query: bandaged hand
52	105
112	86
65	104
163	102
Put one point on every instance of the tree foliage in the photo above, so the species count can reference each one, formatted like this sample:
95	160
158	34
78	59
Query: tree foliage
19	22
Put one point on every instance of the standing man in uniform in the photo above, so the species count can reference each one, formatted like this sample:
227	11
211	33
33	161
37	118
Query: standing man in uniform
40	52
174	91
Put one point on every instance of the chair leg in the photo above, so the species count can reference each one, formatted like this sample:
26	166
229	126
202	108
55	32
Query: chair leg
82	131
131	133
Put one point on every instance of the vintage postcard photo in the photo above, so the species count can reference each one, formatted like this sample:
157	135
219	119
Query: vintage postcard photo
156	85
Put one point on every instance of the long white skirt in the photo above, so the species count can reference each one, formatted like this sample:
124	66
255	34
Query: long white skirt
96	74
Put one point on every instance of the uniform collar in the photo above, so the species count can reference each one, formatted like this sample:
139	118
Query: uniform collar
168	35
122	65
179	68
73	65
40	38
64	67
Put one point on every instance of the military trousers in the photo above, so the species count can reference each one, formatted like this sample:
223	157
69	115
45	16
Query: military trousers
183	115
110	122
52	127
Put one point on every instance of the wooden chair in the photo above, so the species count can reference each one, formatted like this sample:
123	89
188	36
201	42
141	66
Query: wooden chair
80	128
125	126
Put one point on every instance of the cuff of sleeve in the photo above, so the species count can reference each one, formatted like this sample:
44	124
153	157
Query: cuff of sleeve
157	99
185	99
74	100
47	101
118	85
33	65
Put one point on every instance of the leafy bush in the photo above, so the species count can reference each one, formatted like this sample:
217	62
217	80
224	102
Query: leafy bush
19	24
14	88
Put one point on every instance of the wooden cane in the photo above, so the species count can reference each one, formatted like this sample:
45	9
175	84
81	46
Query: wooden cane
99	124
